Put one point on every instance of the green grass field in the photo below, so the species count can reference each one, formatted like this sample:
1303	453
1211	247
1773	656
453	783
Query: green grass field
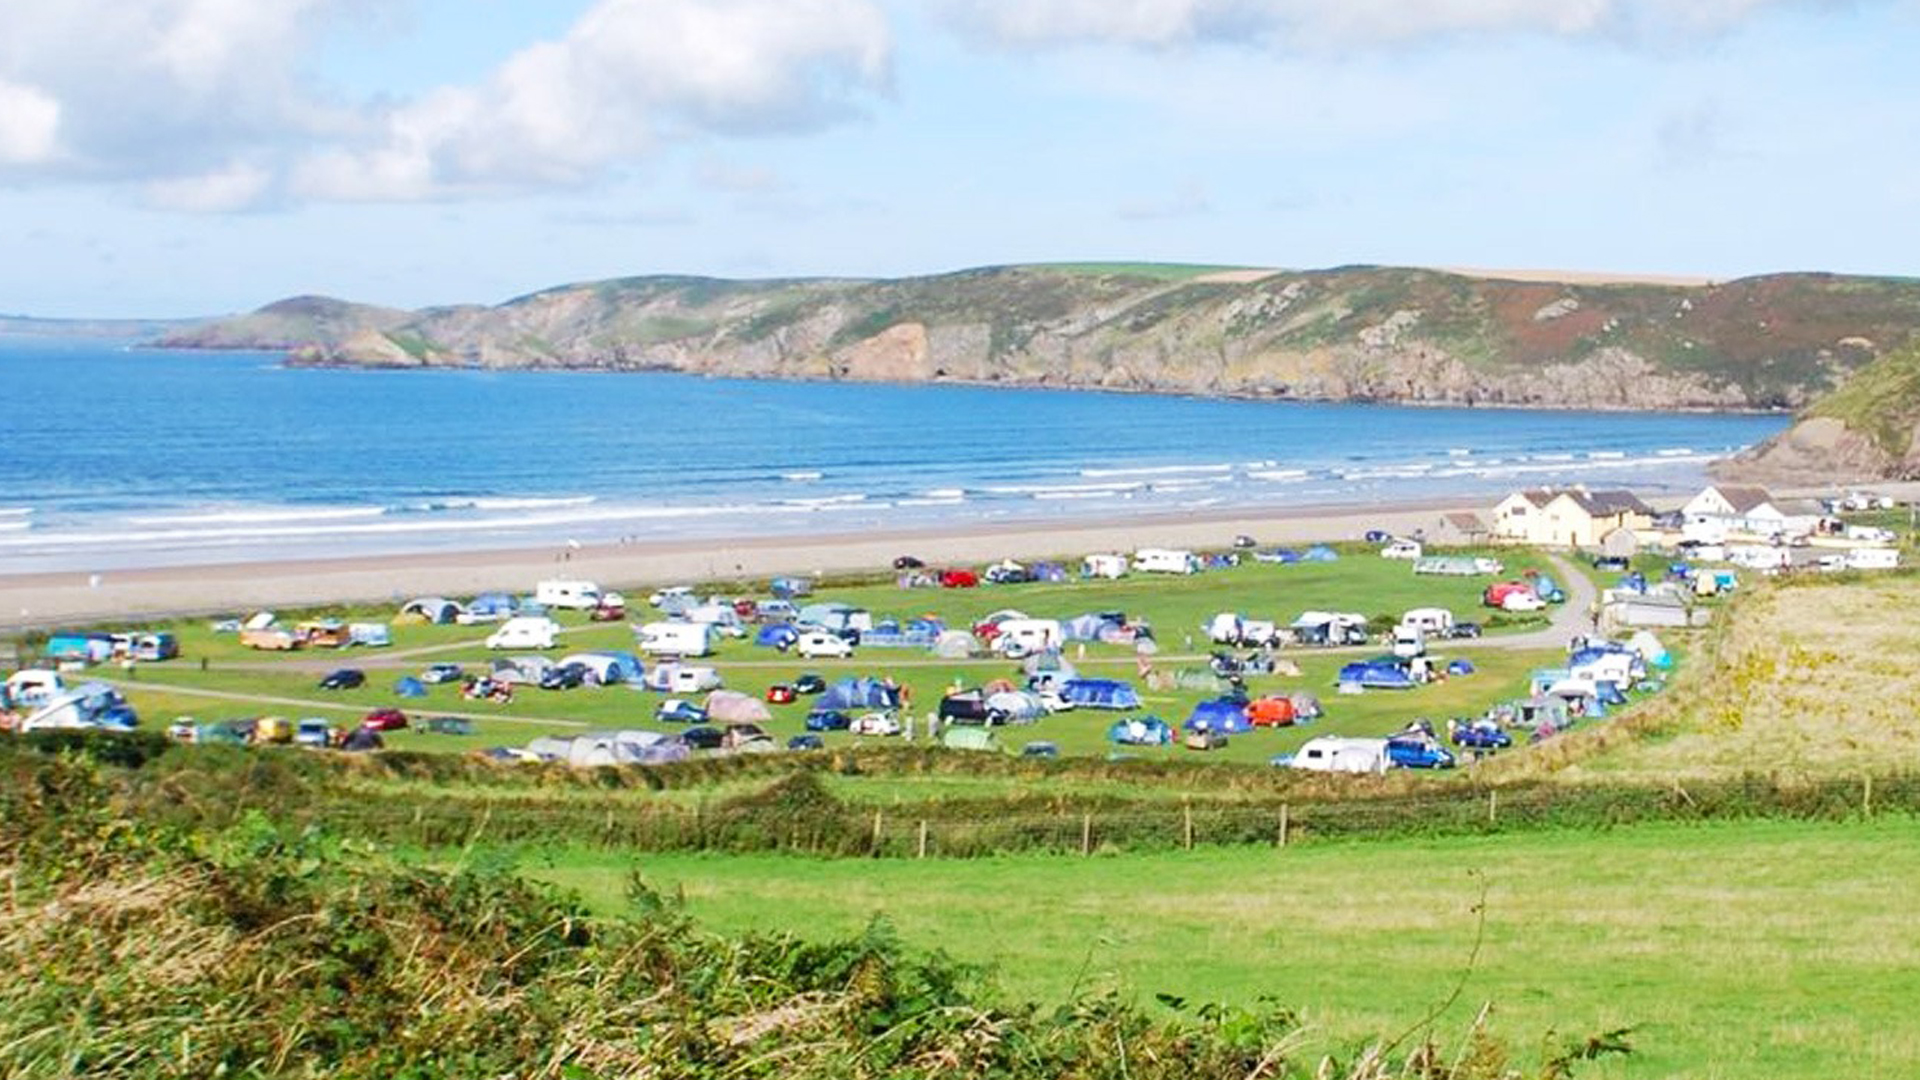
1745	950
252	683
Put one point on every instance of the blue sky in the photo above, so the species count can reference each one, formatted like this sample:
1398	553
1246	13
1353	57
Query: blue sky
169	157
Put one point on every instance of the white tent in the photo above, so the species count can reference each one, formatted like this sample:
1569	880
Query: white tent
734	707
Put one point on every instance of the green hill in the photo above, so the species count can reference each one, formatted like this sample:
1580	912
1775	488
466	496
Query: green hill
1864	430
1349	333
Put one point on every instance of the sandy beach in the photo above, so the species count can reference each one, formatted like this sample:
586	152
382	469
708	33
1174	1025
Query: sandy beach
55	599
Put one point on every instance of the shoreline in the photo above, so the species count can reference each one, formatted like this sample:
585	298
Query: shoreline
52	599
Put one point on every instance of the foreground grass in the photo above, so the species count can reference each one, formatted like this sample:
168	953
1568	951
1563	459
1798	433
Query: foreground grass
1753	949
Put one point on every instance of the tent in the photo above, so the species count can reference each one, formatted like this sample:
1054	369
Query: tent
1048	571
953	645
370	634
861	693
1650	649
1100	693
1322	553
610	667
430	609
1376	675
548	748
1051	665
1140	731
786	588
1270	712
734	707
970	738
776	635
1460	667
1220	714
493	605
408	686
1086	627
1018	706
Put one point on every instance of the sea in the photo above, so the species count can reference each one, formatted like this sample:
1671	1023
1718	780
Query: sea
115	456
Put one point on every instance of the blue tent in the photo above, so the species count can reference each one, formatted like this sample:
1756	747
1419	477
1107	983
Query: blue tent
776	635
1322	553
1220	714
1140	731
624	667
786	588
1376	675
1100	693
1084	627
494	604
861	693
1459	667
408	686
1047	571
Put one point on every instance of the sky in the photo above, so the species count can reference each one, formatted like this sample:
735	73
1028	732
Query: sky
190	157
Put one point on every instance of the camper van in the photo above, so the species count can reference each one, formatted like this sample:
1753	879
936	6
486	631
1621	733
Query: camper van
675	639
563	593
1104	566
524	632
1024	637
1402	549
1409	641
1873	558
1330	753
1166	561
34	686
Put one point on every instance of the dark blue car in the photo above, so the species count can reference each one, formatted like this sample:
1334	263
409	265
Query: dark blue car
1421	753
828	720
1482	736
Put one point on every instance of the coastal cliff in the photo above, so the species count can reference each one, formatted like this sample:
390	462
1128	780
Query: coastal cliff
1863	430
1347	334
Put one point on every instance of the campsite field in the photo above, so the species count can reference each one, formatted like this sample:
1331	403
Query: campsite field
236	682
1747	949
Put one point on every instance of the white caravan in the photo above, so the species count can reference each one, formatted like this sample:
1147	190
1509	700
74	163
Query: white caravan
1330	753
567	593
1166	561
524	632
675	638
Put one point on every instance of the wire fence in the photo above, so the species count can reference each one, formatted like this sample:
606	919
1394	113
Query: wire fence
805	822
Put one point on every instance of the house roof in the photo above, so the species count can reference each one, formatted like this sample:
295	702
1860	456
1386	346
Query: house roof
1743	499
1595	503
1464	521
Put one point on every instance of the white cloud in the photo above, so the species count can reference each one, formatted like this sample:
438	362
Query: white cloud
167	95
1318	24
237	186
629	75
29	125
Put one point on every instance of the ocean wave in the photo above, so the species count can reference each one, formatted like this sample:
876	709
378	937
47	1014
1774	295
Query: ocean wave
1035	489
491	503
1675	451
261	517
1155	470
952	500
824	501
943	493
15	511
1285	476
15	526
799	477
1605	455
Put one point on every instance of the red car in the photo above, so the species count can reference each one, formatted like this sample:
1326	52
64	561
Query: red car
384	720
746	607
780	694
605	612
959	579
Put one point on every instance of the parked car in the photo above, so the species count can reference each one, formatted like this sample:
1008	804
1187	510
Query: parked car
671	594
828	720
442	673
1464	630
1243	541
1418	753
448	725
313	731
680	711
907	562
780	694
806	742
746	737
611	608
875	723
388	719
1526	600
563	677
1482	735
1377	536
1040	749
182	729
809	683
1205	739
1611	562
344	679
703	738
814	644
959	579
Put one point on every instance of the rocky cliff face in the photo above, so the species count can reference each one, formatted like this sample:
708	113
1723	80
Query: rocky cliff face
1867	429
1348	334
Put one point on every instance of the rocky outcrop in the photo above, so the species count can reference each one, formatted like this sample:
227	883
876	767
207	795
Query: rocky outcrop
1817	450
1376	334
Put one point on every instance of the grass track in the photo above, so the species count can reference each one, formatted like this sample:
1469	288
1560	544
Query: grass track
1743	950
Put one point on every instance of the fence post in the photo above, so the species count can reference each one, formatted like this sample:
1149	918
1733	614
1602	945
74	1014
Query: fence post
1086	834
1493	807
1186	811
923	838
1866	796
876	832
1284	809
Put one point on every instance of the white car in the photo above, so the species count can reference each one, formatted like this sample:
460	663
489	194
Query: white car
669	594
1522	600
813	644
875	723
1402	549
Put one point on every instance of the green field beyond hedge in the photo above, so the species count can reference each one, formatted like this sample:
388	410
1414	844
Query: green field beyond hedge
1754	949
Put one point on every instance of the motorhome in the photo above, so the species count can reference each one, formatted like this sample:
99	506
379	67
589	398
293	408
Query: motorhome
1409	641
675	638
1403	549
1431	621
567	593
1873	558
1024	637
1104	566
1166	561
682	678
524	632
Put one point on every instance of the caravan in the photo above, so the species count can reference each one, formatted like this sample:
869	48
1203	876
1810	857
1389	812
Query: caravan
563	593
1166	561
524	632
1104	566
675	638
1024	637
1330	753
